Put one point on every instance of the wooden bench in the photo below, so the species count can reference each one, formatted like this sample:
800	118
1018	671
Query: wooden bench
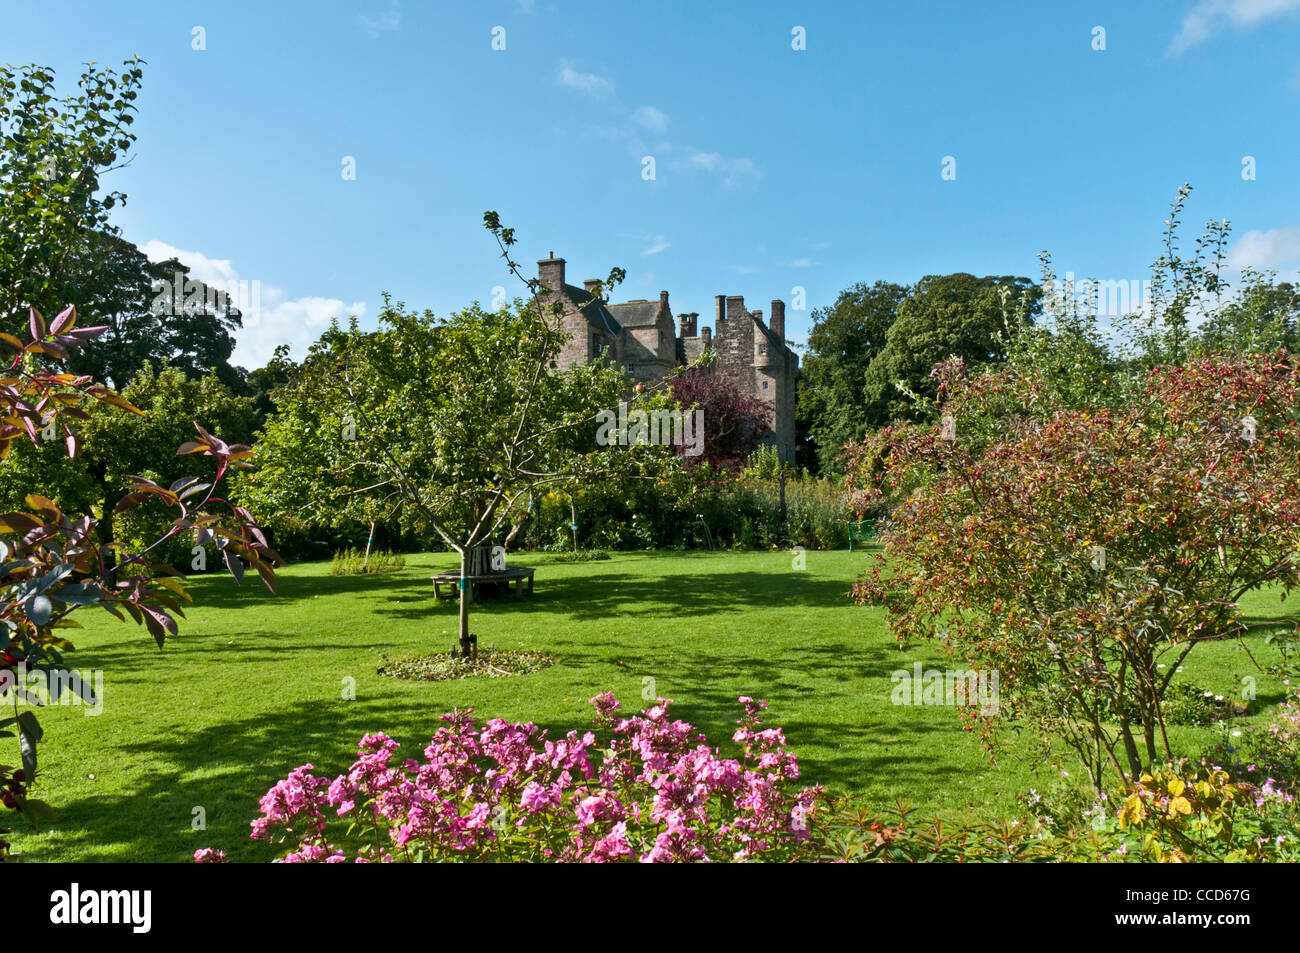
863	531
516	574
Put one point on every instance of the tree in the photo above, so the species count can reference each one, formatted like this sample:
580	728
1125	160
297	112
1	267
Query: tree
53	153
444	424
943	316
1262	317
112	286
844	340
1082	554
155	313
197	323
58	246
735	422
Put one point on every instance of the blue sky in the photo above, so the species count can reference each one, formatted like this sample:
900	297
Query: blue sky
775	168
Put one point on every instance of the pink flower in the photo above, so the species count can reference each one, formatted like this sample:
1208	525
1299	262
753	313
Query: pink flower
536	797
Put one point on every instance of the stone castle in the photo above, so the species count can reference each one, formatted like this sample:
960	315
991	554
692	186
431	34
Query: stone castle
642	337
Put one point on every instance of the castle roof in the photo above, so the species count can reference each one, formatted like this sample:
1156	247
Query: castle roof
593	309
688	349
638	313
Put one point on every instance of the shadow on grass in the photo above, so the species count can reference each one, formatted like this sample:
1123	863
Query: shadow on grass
225	768
625	593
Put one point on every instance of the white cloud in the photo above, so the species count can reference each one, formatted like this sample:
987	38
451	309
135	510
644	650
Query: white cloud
802	263
1211	16
374	24
656	120
271	318
657	244
589	84
745	269
1260	250
210	271
734	171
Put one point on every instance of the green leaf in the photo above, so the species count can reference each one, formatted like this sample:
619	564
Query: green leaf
29	733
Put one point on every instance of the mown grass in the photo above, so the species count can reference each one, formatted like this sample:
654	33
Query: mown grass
255	685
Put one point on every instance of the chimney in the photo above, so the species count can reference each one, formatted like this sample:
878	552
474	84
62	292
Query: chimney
735	305
687	324
663	301
550	272
777	324
757	315
591	284
707	334
719	309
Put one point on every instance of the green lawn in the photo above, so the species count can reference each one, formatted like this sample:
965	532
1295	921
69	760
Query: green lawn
254	684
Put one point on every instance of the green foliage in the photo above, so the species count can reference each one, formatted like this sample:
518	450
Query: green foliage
1183	287
1185	704
355	562
1266	754
1081	553
581	556
53	153
1262	317
765	463
703	624
436	423
1182	813
943	317
702	510
845	338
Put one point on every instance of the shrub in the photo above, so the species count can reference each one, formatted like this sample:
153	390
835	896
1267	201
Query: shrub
1077	551
1186	812
581	556
1268	755
649	789
706	509
356	562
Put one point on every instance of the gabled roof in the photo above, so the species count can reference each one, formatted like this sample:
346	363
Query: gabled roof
637	314
593	309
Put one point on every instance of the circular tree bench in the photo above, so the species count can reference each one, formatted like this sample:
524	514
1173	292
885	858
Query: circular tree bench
516	574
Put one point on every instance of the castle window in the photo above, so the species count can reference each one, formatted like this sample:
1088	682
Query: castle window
631	368
762	349
595	344
764	385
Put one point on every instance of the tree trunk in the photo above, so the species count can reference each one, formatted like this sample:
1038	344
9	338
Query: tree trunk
1130	746
466	593
370	539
